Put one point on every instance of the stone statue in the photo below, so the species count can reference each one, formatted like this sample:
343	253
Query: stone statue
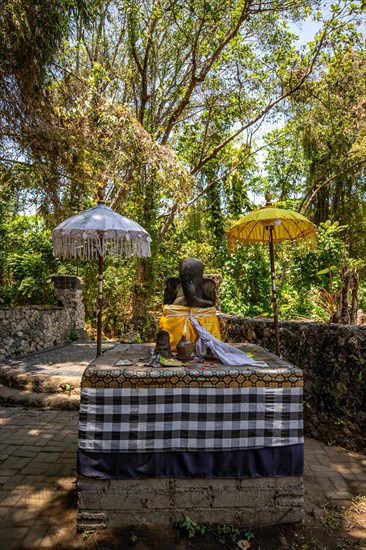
190	288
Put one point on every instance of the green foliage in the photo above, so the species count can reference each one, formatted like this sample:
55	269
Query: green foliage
315	266
35	32
72	336
191	527
26	263
227	534
307	277
319	156
117	290
159	103
310	269
67	388
246	286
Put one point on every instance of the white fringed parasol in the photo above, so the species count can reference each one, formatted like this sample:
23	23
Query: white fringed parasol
96	233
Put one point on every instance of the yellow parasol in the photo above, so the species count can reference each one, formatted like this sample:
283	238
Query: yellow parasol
270	224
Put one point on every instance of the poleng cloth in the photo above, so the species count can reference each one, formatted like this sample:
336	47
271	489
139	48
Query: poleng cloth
189	419
176	321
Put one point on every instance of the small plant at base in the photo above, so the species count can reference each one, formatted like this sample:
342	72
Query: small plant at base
192	527
67	388
85	535
72	336
312	512
226	532
331	519
36	386
133	537
346	544
249	535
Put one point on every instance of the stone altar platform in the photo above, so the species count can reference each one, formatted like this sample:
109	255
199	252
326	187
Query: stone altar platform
218	443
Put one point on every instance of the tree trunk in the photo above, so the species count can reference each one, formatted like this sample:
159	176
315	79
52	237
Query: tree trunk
144	287
346	280
141	319
355	285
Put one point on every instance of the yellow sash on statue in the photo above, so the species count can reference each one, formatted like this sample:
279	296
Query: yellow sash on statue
175	320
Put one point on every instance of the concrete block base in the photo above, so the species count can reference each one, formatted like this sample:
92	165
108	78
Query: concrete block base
164	502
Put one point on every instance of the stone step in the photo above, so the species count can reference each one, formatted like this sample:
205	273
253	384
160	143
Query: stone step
48	379
38	383
26	398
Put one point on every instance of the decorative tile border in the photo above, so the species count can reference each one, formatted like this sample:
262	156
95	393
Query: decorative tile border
192	377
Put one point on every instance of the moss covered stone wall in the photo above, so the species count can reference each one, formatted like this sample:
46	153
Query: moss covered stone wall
25	330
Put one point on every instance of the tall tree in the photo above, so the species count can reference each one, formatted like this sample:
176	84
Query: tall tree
334	142
319	158
135	80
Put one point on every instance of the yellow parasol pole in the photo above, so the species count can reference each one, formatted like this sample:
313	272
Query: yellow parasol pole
269	227
274	293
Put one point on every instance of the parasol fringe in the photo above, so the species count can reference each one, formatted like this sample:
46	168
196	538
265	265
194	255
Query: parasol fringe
69	247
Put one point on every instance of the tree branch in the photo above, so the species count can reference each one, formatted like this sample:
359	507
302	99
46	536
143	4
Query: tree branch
233	169
264	111
260	116
197	79
310	195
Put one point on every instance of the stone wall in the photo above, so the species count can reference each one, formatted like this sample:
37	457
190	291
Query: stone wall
333	358
119	503
26	330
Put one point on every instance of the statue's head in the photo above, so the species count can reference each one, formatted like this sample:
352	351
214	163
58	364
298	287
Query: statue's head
193	268
190	289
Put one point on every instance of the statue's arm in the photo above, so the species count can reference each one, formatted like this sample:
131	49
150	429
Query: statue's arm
194	295
171	285
209	290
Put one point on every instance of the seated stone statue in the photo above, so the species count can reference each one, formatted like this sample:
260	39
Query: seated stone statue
190	288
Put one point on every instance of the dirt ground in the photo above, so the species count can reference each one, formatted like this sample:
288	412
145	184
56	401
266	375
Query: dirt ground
324	528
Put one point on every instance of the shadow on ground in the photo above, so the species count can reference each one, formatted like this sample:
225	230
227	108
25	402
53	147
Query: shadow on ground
39	502
315	534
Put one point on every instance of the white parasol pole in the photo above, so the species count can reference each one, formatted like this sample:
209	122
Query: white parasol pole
100	302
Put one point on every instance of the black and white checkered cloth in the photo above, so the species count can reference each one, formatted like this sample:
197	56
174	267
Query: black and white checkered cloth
189	419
